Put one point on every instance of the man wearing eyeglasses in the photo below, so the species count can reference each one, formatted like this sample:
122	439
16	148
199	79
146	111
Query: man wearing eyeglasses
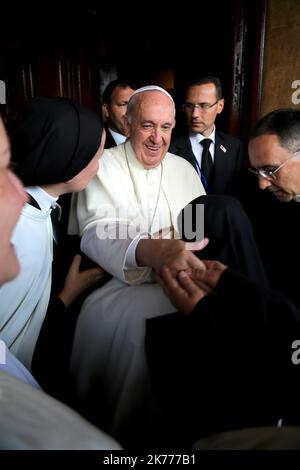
216	156
274	149
274	154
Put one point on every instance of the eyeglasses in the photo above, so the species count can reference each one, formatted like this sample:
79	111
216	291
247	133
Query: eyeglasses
204	106
271	175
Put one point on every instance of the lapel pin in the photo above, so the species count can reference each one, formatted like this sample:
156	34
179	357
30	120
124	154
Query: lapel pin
223	148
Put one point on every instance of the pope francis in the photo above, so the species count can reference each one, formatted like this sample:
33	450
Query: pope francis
126	218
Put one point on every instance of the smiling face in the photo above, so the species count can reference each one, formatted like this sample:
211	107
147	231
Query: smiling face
266	153
150	129
12	198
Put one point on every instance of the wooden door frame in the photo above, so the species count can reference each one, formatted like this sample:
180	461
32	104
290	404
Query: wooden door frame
247	68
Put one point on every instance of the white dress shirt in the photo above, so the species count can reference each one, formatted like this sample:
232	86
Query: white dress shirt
118	138
44	199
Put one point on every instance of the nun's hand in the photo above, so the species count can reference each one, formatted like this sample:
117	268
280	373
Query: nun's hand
182	290
77	281
210	276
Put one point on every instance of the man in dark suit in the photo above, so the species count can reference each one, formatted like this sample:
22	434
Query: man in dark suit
203	102
114	106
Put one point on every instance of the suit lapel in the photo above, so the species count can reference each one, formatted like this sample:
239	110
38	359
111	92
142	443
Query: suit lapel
220	163
109	142
183	147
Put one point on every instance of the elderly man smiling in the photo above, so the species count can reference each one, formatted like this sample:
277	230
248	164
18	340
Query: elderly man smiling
135	199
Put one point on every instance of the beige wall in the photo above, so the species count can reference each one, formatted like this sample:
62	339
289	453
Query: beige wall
281	56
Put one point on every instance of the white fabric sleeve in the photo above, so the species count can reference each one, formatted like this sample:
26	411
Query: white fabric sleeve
115	255
130	258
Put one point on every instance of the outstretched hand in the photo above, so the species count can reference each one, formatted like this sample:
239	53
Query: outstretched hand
176	254
77	281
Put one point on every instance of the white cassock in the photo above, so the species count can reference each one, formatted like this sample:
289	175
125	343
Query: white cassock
24	300
108	360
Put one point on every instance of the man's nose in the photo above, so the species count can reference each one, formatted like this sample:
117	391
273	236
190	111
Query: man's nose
263	182
156	135
196	111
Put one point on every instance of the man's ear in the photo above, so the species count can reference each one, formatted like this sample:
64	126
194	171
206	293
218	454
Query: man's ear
105	111
221	105
126	127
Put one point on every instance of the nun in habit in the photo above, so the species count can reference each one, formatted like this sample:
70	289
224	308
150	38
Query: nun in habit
56	145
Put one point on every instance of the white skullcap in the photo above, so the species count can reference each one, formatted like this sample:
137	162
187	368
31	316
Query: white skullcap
151	88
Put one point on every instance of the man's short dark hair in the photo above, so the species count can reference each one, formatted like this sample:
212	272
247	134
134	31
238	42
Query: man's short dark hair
205	79
106	96
284	123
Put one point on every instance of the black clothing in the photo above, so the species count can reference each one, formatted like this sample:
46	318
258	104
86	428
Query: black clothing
277	232
229	166
206	164
230	234
228	365
109	141
53	139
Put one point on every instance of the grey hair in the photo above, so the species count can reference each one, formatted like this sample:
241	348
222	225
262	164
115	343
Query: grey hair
284	123
133	99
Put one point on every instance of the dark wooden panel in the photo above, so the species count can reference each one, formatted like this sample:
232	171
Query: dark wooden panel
57	57
250	19
68	72
63	55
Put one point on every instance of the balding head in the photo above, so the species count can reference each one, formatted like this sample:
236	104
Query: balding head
139	93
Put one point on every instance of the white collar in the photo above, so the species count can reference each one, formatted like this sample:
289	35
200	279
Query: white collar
118	138
198	137
44	199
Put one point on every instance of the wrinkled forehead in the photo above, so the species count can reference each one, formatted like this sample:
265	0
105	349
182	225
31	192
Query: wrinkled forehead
266	150
265	143
154	103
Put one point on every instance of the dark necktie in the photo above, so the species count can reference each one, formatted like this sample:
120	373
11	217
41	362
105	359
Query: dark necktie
206	163
55	218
